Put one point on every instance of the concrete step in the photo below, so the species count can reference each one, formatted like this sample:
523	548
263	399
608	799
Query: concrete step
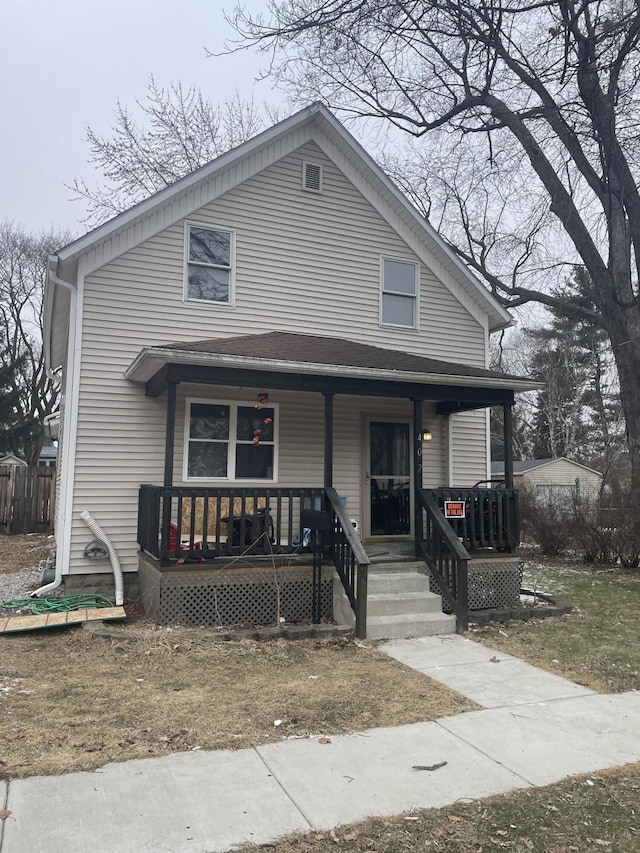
388	566
409	625
401	603
397	582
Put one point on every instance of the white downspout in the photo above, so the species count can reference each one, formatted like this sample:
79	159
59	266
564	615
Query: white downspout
99	533
57	578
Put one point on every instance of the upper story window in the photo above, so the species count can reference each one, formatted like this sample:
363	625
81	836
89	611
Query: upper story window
230	441
209	262
399	293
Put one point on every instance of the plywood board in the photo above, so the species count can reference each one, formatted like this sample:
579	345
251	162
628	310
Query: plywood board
56	620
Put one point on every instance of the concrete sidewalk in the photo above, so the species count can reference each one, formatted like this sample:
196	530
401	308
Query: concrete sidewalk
536	728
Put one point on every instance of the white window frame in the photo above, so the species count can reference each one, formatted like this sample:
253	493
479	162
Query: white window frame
232	442
415	297
207	226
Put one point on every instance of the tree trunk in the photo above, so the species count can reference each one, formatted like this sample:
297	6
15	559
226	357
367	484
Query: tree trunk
623	326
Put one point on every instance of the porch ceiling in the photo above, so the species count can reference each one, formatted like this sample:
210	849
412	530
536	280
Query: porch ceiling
313	363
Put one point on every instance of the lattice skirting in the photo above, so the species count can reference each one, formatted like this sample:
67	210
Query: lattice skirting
225	597
492	583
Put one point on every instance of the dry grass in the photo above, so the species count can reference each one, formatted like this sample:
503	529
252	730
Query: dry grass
597	812
75	701
23	552
597	645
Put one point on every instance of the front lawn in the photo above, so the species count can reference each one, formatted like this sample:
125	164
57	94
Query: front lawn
597	645
72	701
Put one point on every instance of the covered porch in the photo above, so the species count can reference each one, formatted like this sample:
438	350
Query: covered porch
192	527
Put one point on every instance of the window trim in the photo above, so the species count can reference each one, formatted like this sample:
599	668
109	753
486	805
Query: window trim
232	443
416	297
232	264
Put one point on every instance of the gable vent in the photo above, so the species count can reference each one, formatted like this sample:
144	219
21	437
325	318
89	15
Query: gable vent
312	177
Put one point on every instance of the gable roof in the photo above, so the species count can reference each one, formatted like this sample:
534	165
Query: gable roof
314	123
288	351
12	459
520	467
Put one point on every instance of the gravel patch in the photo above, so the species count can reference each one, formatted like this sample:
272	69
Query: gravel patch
19	565
18	585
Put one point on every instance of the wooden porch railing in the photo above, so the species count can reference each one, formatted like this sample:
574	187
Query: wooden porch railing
446	558
490	520
350	560
178	523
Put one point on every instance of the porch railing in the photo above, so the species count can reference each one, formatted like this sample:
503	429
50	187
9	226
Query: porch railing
180	523
176	524
489	519
350	560
445	556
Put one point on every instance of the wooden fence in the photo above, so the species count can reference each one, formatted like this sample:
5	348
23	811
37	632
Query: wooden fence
27	499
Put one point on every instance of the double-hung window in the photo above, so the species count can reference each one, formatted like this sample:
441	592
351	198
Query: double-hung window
209	269
399	293
230	441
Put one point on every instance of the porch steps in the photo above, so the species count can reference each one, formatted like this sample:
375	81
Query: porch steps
399	604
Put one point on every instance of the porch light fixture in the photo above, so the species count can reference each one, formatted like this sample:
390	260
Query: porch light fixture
425	435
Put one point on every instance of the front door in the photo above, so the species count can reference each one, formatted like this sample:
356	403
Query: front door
388	478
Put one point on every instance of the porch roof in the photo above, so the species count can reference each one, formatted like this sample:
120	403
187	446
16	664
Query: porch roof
339	360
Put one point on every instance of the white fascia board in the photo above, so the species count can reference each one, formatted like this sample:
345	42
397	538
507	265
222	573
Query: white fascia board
149	360
47	318
57	304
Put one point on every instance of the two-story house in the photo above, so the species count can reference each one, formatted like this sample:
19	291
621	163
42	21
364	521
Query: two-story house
278	332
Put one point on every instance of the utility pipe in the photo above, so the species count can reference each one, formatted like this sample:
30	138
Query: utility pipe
99	533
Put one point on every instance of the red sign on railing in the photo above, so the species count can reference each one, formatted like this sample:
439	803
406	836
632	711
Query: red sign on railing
454	509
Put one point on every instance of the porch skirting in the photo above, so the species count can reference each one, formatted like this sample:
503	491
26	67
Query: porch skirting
231	596
493	582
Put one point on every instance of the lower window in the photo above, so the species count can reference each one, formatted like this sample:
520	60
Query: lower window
229	441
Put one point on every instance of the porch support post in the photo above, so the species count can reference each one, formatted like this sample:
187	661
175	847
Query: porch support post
417	471
328	439
170	433
508	447
165	524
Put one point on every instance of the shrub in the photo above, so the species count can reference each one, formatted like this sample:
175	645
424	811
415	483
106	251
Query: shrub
607	535
546	520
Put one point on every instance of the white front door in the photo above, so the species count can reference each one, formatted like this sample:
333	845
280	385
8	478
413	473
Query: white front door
388	478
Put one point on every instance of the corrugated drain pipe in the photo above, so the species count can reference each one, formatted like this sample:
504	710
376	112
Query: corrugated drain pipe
99	533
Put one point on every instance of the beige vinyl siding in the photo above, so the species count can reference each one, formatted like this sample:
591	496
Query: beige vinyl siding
468	448
563	472
307	262
304	261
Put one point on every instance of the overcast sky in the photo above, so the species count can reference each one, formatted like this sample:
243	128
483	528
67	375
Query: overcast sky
65	63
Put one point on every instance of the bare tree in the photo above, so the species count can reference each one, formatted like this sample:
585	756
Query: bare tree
34	394
177	131
533	104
